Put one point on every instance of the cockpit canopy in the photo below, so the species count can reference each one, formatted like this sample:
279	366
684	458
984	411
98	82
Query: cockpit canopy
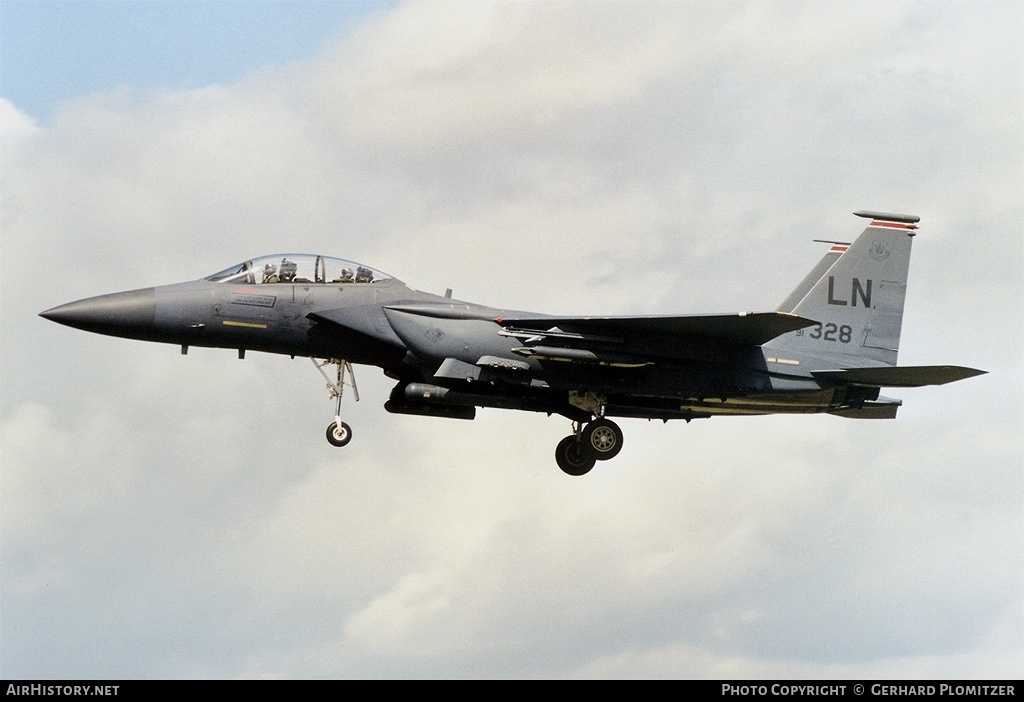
299	269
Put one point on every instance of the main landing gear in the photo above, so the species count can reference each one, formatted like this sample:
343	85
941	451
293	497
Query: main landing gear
338	433
599	440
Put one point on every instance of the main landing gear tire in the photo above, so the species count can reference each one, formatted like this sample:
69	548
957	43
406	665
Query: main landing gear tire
604	439
339	434
573	456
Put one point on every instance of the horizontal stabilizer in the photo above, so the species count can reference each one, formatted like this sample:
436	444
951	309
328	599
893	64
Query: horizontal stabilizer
753	328
898	377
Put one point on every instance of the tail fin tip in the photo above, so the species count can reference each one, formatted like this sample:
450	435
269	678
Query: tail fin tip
889	217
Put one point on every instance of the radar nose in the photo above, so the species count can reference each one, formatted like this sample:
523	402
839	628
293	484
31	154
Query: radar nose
127	314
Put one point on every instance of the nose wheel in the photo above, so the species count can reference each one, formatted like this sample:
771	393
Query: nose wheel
599	440
338	432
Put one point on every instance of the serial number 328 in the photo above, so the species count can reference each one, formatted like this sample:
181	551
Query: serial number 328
829	332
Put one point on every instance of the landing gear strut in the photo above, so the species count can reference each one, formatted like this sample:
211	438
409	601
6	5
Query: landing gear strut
599	440
338	433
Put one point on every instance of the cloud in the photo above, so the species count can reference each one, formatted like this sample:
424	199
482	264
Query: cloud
13	122
169	516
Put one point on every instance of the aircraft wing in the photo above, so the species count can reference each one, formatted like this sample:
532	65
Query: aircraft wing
897	376
750	328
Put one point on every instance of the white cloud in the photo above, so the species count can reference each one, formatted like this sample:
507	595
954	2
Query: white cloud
13	122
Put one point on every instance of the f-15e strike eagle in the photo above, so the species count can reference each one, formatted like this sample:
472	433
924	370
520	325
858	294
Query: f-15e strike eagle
829	348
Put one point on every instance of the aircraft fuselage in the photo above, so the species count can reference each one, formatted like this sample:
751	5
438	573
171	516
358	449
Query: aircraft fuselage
411	334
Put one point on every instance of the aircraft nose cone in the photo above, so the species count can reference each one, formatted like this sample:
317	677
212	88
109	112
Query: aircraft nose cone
128	314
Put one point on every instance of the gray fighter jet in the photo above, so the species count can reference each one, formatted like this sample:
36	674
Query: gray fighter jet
829	348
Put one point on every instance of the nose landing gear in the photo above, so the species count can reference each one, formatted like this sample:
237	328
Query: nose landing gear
338	432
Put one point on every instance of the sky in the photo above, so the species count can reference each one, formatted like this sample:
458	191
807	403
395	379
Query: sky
169	516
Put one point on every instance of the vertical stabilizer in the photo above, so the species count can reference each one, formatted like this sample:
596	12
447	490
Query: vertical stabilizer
857	298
